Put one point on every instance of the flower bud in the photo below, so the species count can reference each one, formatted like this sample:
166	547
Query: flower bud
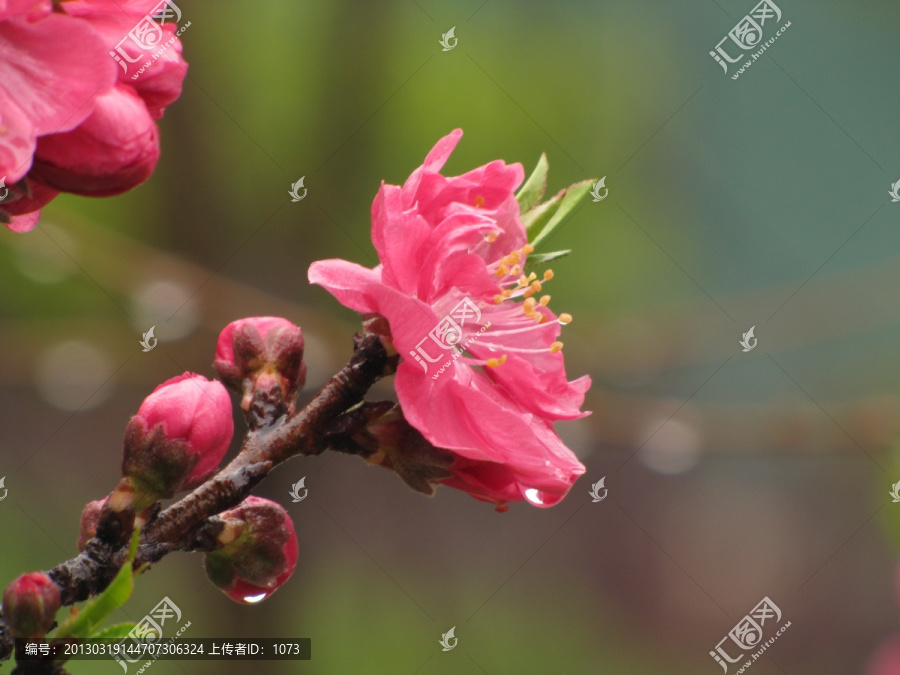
30	604
115	149
262	358
177	438
258	551
90	517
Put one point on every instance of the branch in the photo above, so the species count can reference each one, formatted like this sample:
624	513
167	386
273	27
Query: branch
177	528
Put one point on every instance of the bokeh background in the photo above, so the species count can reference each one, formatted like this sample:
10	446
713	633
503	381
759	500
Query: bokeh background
761	201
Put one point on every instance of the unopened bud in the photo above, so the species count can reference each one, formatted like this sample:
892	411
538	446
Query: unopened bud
262	359
258	551
177	439
90	516
30	604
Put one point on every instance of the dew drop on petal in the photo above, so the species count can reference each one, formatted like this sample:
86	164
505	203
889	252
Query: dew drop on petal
252	599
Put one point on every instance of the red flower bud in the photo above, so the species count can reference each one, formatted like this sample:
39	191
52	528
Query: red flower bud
115	149
259	551
90	516
178	437
262	358
30	604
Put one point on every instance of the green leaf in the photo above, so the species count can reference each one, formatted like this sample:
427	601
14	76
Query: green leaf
563	204
119	630
531	192
540	258
97	609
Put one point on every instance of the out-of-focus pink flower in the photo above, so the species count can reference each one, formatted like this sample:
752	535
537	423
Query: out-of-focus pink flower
64	97
113	150
886	660
452	252
53	67
178	437
258	551
30	604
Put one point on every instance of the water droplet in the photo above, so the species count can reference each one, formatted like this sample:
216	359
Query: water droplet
541	498
534	496
252	599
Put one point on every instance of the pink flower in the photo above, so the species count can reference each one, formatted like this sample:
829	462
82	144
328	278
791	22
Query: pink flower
64	97
178	437
886	660
258	551
452	252
30	604
112	151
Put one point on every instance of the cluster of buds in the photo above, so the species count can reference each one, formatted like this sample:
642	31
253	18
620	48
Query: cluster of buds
255	550
261	358
30	604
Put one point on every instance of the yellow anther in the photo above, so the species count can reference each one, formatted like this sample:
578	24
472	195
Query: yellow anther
529	304
545	300
565	318
491	236
507	293
514	270
502	271
556	347
527	248
548	275
532	276
514	257
494	363
498	299
523	281
536	286
479	201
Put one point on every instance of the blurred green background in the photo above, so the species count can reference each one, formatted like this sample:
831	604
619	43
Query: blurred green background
761	201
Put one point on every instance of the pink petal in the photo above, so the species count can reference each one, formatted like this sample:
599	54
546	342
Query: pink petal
53	69
350	283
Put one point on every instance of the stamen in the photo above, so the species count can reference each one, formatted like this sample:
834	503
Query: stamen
498	299
534	288
548	275
527	248
565	318
495	363
545	300
479	201
502	271
491	236
514	270
556	347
